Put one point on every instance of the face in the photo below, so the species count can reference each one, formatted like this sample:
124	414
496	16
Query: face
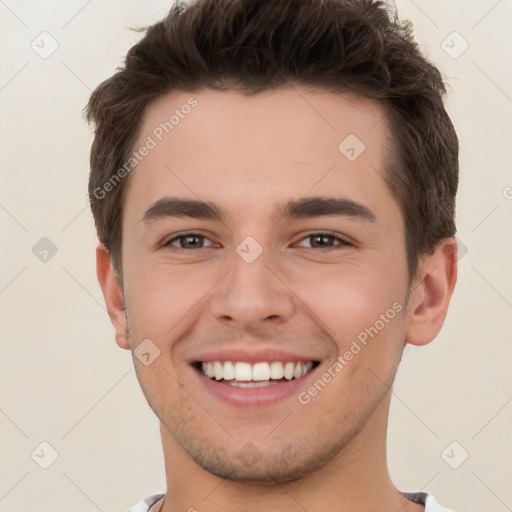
287	287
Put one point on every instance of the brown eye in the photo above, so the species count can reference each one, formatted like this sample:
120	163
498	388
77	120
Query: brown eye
188	241
324	241
191	241
321	240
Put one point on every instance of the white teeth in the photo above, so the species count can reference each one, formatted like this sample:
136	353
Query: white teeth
259	384
217	368
262	372
243	371
276	370
288	371
229	371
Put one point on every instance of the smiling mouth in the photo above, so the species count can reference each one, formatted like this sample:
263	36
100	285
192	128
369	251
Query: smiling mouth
246	375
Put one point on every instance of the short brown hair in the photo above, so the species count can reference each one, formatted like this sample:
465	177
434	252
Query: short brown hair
246	45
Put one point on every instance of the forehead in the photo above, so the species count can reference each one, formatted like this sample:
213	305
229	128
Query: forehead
288	142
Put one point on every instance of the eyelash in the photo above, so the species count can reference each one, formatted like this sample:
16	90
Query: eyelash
343	241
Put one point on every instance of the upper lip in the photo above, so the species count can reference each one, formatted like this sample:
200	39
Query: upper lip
253	356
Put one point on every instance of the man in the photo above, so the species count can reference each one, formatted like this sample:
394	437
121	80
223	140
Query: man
273	184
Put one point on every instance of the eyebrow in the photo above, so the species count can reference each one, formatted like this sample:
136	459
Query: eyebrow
301	208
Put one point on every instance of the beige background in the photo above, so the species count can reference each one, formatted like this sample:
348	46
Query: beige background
64	381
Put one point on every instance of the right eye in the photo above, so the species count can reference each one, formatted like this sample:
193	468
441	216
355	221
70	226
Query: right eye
188	241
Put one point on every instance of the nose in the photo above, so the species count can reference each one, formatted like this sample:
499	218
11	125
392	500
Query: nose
252	294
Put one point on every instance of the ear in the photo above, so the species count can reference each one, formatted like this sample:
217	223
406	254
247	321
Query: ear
113	294
431	292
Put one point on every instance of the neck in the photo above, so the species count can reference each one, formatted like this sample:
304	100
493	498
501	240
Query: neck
355	479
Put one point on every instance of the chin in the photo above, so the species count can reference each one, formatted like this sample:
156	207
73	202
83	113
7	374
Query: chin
249	466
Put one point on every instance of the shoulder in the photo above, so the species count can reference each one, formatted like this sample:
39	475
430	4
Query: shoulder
428	500
144	505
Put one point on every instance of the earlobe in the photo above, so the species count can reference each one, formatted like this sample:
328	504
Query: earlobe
113	295
431	293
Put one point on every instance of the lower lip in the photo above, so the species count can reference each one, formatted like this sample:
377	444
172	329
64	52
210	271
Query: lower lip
254	396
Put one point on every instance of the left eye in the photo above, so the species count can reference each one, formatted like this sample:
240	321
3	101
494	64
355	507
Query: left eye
324	240
188	241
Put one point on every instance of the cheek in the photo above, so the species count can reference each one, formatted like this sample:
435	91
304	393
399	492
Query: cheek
362	311
349	298
162	296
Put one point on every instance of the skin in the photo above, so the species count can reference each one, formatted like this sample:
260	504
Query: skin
248	155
